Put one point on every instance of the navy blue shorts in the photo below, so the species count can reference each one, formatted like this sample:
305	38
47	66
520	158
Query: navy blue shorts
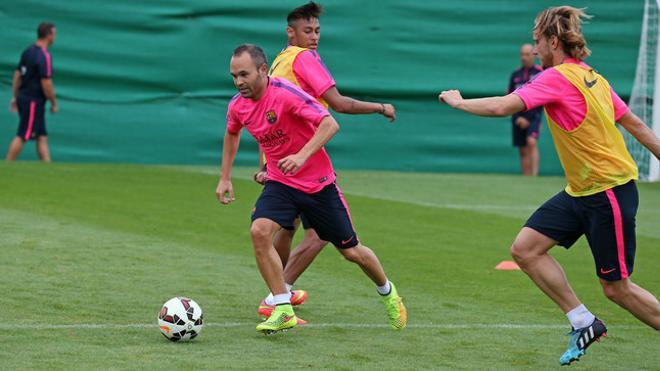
520	135
32	121
305	222
326	211
607	219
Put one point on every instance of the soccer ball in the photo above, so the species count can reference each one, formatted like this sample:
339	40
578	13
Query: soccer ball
180	319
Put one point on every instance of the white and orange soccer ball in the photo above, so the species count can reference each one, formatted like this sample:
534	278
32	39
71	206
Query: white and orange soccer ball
180	319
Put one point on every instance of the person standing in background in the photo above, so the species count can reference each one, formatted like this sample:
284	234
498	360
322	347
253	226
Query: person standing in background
526	125
32	85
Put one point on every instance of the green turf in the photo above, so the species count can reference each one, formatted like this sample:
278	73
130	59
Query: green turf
108	244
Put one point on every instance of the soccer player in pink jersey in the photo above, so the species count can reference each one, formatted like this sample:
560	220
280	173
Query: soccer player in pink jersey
32	86
291	128
600	200
301	64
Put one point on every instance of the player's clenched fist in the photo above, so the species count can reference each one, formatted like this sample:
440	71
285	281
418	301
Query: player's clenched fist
225	188
389	112
291	164
261	177
451	97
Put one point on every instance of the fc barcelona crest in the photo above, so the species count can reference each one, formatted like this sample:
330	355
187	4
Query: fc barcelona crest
271	117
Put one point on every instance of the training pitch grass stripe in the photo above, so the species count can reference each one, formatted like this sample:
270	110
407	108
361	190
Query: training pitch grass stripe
427	326
482	207
469	207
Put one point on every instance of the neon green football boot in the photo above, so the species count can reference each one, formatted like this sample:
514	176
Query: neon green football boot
396	311
282	319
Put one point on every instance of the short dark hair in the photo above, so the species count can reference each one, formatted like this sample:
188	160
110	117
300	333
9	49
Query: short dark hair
256	53
44	29
306	12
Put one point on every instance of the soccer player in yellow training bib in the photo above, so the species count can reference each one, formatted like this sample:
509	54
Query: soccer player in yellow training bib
600	200
301	64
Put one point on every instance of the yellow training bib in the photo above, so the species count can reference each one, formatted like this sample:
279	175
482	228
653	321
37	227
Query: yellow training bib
593	155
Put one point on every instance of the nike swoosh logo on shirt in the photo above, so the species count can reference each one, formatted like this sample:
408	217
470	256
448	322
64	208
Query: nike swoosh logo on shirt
590	84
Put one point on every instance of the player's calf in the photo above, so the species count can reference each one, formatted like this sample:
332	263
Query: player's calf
639	302
15	148
42	148
368	262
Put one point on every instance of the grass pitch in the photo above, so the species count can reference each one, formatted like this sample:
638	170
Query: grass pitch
90	252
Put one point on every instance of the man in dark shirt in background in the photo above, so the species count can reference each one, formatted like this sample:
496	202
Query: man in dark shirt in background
32	86
526	125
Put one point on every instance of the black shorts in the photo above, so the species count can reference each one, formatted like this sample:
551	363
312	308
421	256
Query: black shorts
326	211
520	135
305	222
606	218
32	121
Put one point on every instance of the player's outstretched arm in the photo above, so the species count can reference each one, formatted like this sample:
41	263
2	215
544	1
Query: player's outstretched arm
229	149
491	106
343	104
326	130
636	127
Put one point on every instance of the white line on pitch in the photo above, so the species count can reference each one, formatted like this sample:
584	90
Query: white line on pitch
437	326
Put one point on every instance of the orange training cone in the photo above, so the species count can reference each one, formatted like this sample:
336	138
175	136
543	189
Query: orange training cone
507	265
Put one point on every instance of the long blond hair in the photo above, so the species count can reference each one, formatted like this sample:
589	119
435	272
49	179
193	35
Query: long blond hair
564	22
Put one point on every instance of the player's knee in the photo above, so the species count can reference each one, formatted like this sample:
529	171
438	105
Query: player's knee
260	232
352	254
615	291
531	142
516	252
520	252
612	293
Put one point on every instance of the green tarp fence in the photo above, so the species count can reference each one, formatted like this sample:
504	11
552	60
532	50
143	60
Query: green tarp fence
148	81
